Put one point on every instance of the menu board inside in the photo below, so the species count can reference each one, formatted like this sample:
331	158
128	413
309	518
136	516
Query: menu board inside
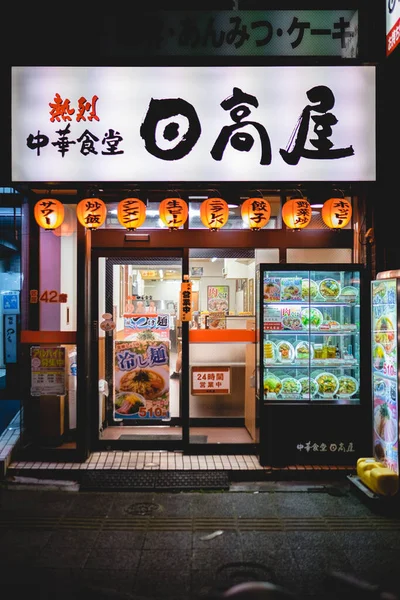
384	321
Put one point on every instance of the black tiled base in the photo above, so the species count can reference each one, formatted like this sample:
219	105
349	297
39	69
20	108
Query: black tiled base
154	480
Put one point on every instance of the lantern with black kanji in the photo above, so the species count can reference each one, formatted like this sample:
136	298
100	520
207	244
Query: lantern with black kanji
49	213
296	213
336	212
173	212
131	213
256	213
214	213
91	213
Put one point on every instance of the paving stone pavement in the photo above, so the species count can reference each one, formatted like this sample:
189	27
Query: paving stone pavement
314	540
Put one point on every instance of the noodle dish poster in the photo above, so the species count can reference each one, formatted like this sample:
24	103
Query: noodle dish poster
386	430
141	379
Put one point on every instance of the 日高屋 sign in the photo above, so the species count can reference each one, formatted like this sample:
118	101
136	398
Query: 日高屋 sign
193	124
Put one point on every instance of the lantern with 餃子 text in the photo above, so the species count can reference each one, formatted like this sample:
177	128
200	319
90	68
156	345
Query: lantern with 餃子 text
336	212
49	213
296	213
256	213
91	213
214	213
173	212
131	213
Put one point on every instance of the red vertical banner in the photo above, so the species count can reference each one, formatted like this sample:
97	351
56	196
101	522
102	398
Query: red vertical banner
186	301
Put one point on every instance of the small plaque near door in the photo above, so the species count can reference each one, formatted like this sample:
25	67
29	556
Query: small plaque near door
211	380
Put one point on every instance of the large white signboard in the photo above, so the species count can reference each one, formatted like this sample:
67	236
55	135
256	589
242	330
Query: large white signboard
72	124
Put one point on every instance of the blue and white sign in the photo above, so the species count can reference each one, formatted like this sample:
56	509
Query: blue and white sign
193	124
10	302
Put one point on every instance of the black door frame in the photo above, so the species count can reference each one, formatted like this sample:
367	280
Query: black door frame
120	243
183	421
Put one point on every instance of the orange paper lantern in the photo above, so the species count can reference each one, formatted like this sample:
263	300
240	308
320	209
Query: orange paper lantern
296	213
91	213
336	213
131	213
173	212
214	213
49	213
256	213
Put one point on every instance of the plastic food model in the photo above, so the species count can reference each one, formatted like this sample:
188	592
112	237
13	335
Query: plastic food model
309	387
285	351
303	351
347	386
290	386
329	288
269	353
327	383
309	289
272	384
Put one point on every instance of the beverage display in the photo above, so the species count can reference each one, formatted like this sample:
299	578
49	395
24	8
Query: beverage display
310	324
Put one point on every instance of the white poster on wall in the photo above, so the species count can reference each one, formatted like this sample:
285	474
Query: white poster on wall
193	124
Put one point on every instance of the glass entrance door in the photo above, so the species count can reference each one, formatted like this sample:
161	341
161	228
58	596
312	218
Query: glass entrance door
138	337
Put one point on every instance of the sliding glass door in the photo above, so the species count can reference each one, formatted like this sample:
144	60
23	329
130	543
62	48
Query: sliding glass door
138	339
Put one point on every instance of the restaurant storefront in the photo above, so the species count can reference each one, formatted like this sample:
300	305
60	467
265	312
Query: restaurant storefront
145	337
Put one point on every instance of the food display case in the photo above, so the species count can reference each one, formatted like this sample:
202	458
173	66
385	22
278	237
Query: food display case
310	363
385	302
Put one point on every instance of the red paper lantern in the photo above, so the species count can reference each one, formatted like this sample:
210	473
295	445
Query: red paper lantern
214	213
296	213
91	213
131	213
336	213
173	212
256	213
49	213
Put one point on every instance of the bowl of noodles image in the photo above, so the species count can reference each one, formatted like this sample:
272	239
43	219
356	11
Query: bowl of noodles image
148	382
385	333
129	403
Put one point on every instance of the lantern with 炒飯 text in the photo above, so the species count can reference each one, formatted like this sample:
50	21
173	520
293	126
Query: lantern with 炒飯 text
49	213
336	212
256	213
214	213
91	213
131	213
173	212
296	213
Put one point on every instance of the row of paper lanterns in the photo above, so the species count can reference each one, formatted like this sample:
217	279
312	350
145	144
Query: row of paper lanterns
256	212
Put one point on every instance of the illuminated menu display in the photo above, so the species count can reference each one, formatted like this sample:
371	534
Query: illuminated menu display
385	372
